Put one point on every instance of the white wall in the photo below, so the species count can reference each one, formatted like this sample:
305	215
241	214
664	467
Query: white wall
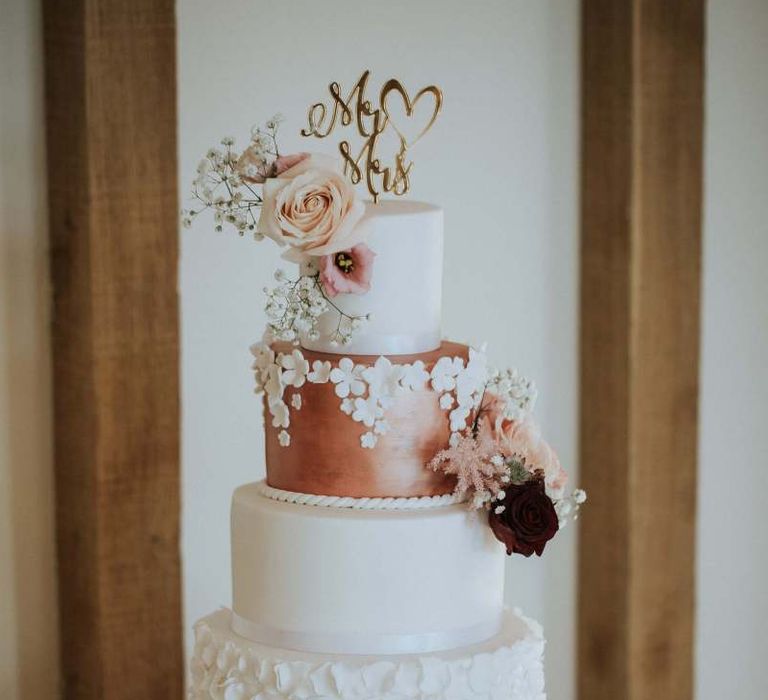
502	161
28	624
732	646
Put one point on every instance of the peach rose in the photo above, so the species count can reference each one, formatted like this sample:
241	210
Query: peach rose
312	208
522	439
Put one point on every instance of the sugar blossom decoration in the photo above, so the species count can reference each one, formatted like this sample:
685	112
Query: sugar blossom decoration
304	203
366	392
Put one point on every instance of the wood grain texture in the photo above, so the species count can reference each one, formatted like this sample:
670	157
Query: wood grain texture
642	116
111	139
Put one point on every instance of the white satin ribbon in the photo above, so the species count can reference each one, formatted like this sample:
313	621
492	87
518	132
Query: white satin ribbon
364	344
362	643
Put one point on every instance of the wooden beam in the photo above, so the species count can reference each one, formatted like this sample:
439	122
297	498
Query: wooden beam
642	105
111	139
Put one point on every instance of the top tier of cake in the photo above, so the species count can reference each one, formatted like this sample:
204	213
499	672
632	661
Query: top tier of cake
404	301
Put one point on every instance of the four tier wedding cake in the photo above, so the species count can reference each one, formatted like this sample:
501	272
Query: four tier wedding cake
400	468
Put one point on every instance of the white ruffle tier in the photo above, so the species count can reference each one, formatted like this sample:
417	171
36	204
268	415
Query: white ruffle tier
228	667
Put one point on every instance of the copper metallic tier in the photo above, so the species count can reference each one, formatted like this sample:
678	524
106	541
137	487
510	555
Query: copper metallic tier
325	456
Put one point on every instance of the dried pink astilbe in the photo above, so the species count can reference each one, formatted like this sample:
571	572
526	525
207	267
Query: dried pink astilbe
475	463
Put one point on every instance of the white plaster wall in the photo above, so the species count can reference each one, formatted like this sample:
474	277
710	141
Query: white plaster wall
732	580
502	161
28	623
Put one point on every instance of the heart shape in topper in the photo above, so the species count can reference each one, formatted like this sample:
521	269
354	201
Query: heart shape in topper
394	86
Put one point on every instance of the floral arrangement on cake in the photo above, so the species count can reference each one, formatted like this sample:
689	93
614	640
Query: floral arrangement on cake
304	203
503	465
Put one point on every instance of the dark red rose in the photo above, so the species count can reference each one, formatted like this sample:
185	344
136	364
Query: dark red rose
528	519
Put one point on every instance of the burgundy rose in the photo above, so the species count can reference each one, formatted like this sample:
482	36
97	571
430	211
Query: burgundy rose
527	520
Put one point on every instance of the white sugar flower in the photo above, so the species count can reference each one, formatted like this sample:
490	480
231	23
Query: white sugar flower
263	355
414	376
381	427
347	406
459	417
273	384
281	417
296	369
321	372
346	377
383	378
580	496
444	373
260	376
284	438
446	401
367	411
368	440
296	401
473	377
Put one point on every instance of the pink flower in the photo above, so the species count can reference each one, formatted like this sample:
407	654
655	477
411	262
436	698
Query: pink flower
471	460
492	409
348	271
283	163
522	439
312	208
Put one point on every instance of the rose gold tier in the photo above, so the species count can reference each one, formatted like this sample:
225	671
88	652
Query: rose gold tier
325	456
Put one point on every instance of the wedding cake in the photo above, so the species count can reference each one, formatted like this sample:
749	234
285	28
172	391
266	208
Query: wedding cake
400	468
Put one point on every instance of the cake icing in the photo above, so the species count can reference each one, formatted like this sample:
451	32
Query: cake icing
508	666
405	296
361	503
381	419
363	581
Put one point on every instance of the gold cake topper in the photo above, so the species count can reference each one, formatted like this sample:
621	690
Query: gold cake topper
372	121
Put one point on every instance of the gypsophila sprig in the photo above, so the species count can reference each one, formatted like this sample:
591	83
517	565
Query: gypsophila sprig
567	508
518	392
295	306
225	179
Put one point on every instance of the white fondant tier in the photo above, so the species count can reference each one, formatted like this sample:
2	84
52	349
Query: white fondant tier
338	580
406	288
507	667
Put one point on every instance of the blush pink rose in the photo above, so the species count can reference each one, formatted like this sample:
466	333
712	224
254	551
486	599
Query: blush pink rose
312	208
522	439
348	271
283	163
